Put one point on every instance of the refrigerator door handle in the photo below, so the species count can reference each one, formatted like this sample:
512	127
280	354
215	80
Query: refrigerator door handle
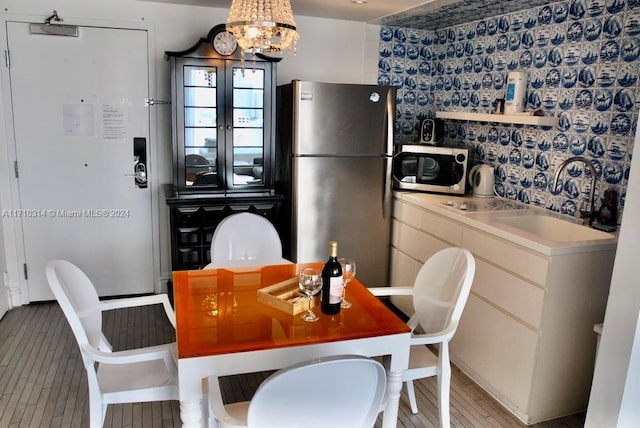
390	112
387	183
386	188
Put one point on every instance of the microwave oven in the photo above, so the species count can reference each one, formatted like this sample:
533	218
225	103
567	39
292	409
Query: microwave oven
432	169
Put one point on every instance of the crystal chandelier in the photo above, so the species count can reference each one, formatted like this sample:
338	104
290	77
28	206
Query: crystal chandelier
263	26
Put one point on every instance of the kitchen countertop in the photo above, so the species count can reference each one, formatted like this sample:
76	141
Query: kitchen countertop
485	214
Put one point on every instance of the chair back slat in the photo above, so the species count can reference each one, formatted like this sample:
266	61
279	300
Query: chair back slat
340	391
245	237
78	299
441	288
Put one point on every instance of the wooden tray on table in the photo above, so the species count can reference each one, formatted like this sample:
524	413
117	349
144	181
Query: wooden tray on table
284	296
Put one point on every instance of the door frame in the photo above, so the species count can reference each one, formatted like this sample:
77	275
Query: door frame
14	248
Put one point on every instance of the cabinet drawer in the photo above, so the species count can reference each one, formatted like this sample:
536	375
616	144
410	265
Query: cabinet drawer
189	257
405	238
415	243
265	209
187	216
404	270
188	235
212	215
509	292
441	228
407	213
508	256
499	351
207	235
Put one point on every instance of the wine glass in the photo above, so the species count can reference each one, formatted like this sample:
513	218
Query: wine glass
310	284
348	272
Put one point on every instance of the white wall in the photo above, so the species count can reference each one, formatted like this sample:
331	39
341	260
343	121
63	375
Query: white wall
328	50
612	365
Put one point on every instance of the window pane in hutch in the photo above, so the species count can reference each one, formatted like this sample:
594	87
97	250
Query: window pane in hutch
199	76
200	97
200	137
248	118
247	156
196	116
202	141
253	78
253	98
198	170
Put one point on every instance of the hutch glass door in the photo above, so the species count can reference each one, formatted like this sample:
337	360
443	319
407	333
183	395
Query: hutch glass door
201	126
247	160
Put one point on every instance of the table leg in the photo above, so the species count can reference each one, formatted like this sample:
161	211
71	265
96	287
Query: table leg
394	387
191	413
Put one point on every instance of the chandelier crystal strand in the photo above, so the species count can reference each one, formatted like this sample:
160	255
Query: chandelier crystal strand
263	26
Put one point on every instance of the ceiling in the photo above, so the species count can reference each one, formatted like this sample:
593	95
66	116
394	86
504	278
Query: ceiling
428	15
334	9
446	13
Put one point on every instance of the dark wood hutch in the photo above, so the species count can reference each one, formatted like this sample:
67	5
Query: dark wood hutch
223	118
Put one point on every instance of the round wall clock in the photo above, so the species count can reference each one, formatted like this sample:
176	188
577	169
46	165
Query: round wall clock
224	43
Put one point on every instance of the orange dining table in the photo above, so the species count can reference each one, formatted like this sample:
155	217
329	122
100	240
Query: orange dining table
223	329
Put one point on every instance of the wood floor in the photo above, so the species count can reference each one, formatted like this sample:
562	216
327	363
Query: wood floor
43	381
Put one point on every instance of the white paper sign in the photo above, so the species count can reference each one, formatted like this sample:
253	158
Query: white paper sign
115	120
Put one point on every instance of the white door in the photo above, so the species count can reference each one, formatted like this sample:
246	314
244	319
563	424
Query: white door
4	298
77	105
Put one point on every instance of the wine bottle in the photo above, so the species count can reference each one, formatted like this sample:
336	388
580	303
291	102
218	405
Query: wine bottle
332	282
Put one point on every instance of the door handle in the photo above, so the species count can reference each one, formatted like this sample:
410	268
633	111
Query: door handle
139	173
139	162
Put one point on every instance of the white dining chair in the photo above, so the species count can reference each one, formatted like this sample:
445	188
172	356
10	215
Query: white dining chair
345	391
129	376
440	292
245	239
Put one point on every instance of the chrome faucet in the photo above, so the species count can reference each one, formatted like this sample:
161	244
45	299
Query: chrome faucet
586	213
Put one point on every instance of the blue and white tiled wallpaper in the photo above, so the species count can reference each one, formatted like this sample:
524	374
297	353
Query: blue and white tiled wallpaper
582	60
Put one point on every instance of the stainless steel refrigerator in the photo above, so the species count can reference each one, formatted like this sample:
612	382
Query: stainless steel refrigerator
334	144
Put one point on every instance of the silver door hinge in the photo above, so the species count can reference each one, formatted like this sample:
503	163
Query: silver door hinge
25	271
6	58
151	102
15	168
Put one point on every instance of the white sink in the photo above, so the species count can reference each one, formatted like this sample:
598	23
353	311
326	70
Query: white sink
483	204
554	229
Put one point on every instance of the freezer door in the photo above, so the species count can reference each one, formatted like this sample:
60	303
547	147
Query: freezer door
343	119
343	199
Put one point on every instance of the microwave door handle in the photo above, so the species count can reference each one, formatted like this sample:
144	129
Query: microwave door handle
386	188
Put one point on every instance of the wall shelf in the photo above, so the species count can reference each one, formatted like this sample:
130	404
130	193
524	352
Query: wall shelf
522	119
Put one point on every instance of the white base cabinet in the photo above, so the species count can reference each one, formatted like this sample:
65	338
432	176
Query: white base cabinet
526	334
